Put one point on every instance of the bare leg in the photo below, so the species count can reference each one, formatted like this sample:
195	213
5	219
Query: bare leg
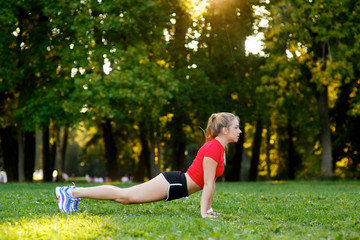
154	190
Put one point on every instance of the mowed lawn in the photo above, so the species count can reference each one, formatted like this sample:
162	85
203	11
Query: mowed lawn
283	210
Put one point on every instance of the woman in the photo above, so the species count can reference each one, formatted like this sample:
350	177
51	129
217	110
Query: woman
222	128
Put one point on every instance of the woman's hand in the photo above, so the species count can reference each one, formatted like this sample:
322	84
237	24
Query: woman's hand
207	215
210	213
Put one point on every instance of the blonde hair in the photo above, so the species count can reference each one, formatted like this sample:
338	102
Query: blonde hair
216	122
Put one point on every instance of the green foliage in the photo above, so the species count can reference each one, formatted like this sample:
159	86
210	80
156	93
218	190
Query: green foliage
308	45
52	56
221	55
128	37
287	210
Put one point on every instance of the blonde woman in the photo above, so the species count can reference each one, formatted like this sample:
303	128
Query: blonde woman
222	128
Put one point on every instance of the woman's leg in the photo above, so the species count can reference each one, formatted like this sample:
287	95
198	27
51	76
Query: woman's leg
154	190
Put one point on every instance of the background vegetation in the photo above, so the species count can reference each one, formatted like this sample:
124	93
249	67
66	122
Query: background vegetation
115	87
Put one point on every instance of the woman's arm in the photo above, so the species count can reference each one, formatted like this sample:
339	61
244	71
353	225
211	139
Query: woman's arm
212	195
209	166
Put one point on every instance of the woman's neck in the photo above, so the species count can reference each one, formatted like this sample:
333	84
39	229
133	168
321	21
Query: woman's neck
222	140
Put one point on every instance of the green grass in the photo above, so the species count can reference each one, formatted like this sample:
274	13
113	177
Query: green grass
287	210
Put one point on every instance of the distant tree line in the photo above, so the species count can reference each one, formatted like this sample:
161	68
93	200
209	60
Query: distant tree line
144	76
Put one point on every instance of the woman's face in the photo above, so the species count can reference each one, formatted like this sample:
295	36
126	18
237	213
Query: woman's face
234	131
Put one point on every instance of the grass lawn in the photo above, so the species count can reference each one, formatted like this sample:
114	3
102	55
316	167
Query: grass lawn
287	210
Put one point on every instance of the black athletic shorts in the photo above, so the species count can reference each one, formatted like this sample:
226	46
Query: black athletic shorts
177	185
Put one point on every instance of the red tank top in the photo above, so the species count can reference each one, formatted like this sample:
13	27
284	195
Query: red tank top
212	149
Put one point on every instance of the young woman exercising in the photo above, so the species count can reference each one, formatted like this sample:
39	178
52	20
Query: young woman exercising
222	128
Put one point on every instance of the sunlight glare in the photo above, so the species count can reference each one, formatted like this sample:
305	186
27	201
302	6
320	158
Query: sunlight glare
254	44
107	66
198	7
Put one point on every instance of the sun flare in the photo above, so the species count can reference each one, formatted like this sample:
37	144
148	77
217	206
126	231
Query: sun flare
198	7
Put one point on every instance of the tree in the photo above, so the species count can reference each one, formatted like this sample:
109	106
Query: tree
229	85
305	41
28	37
127	38
180	102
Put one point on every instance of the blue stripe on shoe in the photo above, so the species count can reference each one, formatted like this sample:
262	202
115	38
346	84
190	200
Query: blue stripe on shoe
74	204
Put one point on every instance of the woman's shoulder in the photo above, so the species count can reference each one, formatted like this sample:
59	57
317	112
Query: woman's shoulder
213	145
208	144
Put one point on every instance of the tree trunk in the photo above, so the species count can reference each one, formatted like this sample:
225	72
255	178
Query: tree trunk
268	148
292	160
144	160
234	165
154	159
57	152
21	155
179	146
178	54
254	162
63	150
325	139
47	165
110	151
9	147
145	165
53	151
158	153
29	164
